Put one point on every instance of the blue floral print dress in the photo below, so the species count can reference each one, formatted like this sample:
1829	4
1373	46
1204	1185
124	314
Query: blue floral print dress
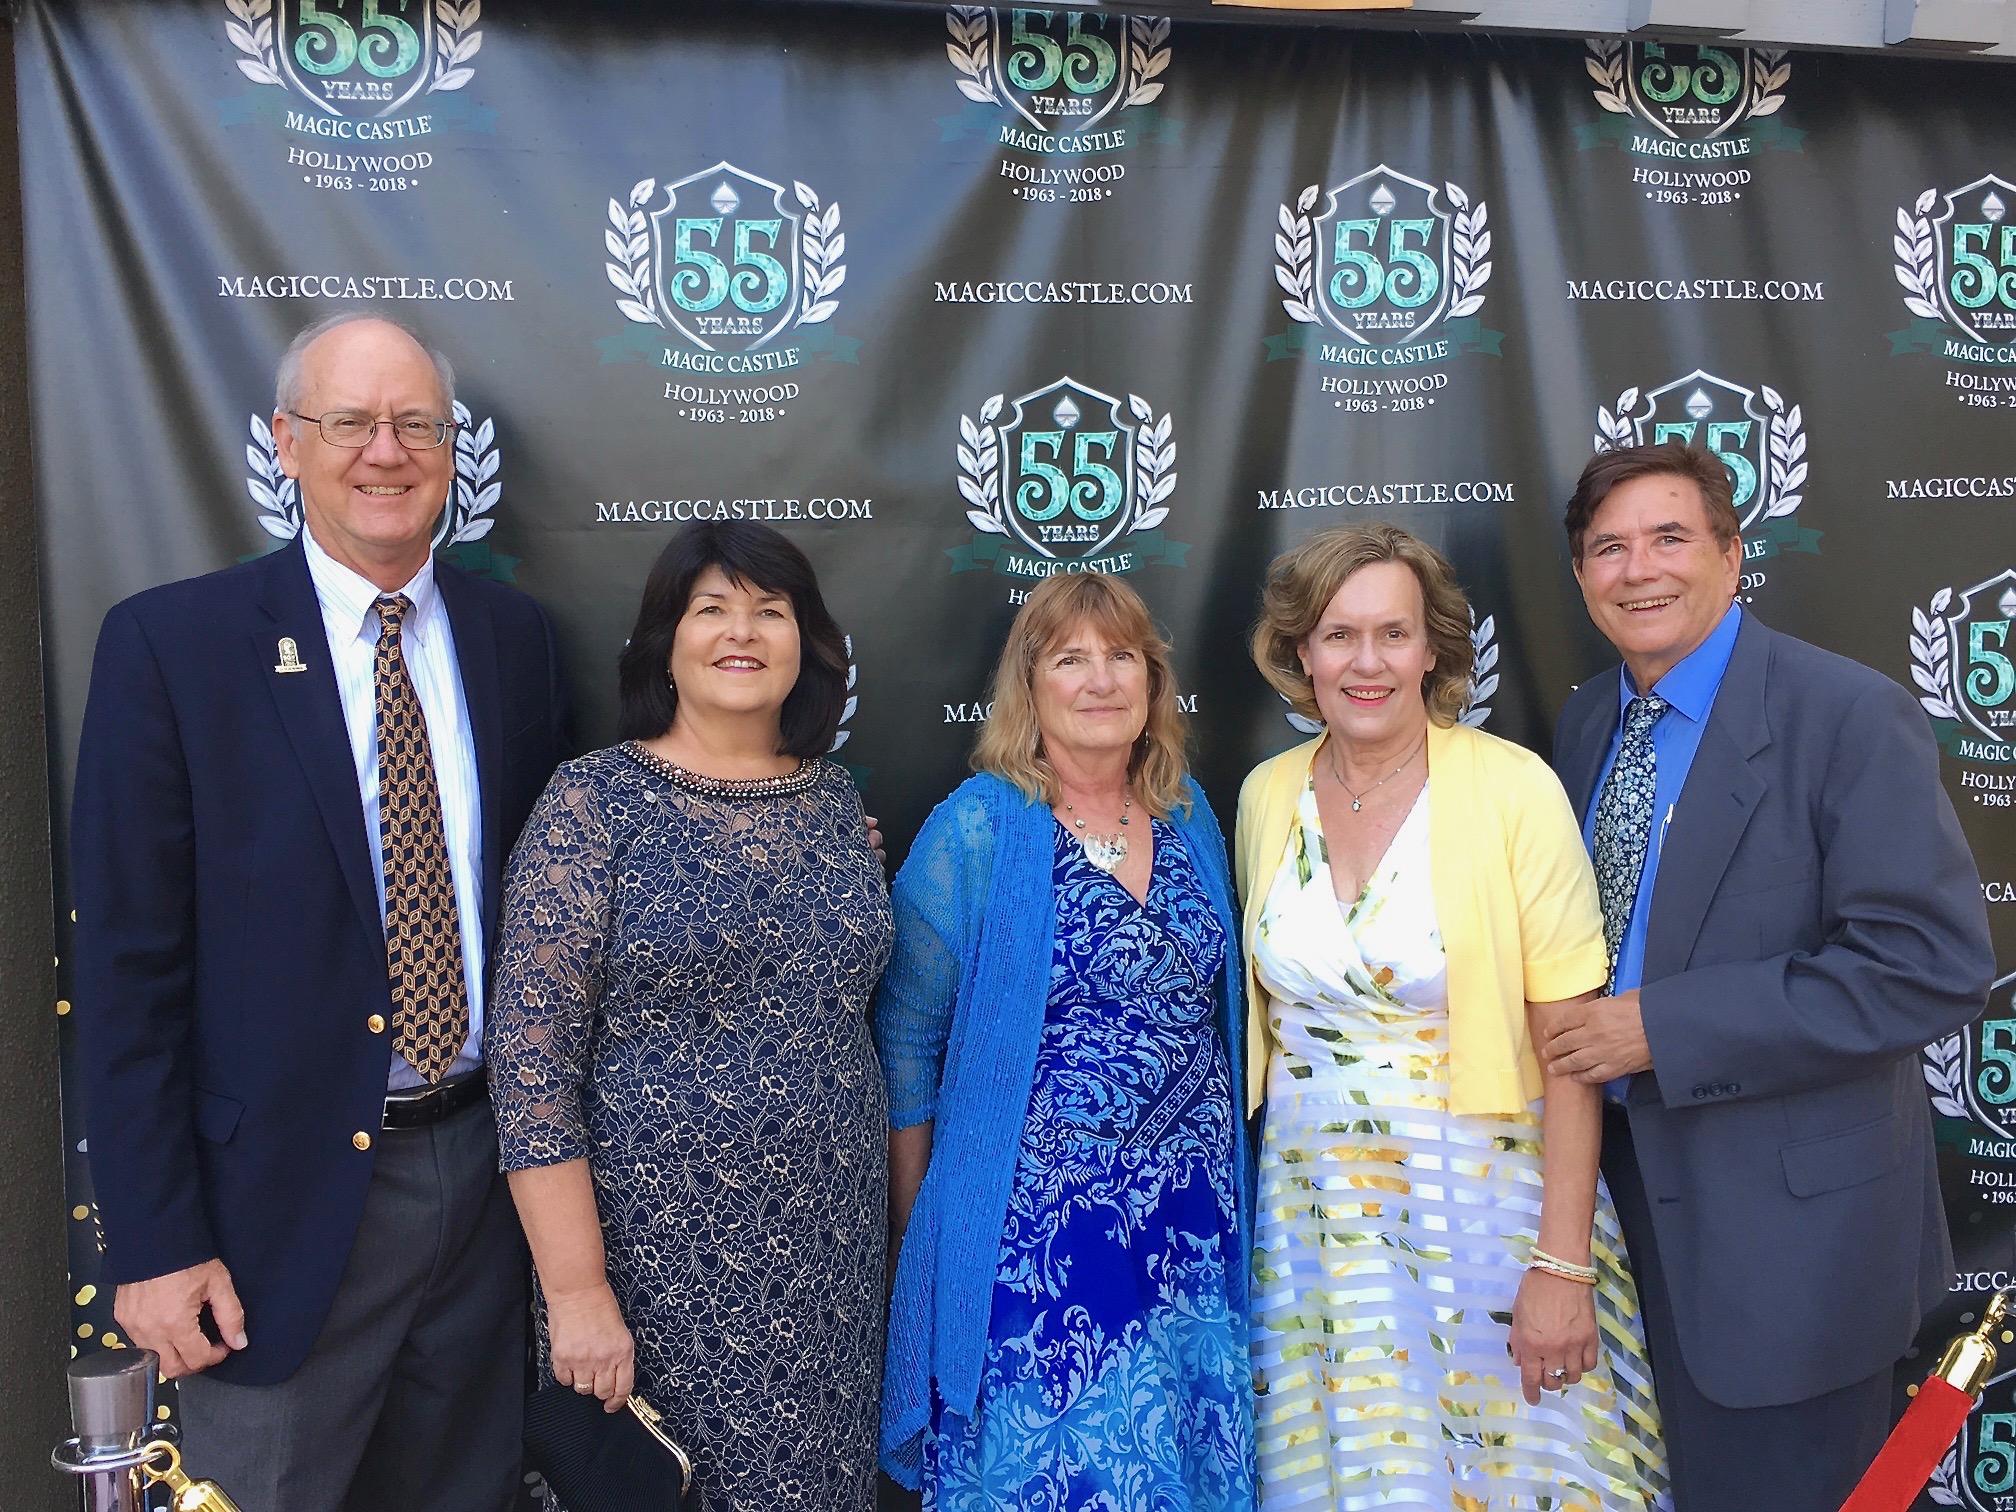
1116	1373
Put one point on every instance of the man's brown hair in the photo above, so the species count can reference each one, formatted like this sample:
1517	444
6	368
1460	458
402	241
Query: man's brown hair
1609	469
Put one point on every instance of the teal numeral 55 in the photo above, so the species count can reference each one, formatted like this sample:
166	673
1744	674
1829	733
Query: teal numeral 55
1093	490
1996	1080
1085	62
328	44
1713	80
1408	278
1990	676
1977	281
1995	1453
701	280
1742	472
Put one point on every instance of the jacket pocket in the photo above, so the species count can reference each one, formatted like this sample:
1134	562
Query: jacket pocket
1743	881
1834	1161
217	1115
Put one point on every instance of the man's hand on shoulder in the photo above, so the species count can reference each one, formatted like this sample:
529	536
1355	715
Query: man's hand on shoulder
875	838
1596	1041
164	1314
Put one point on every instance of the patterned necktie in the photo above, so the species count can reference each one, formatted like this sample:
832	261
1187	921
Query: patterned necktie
1624	821
423	929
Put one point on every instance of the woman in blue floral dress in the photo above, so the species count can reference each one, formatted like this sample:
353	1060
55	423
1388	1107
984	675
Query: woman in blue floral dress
1059	1028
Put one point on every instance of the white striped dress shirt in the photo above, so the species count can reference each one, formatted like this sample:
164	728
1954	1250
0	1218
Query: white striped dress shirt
350	615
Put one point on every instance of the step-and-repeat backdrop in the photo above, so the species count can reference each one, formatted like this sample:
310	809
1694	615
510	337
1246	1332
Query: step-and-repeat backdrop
960	299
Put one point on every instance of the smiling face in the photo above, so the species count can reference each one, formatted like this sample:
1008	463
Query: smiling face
372	508
1091	695
1653	575
1368	655
735	651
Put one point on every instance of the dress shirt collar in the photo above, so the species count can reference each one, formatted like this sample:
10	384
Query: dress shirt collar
351	600
1690	685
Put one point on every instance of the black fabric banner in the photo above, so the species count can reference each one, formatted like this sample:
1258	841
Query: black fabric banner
961	299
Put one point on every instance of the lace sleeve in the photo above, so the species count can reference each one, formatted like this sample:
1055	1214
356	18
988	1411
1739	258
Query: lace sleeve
920	988
549	975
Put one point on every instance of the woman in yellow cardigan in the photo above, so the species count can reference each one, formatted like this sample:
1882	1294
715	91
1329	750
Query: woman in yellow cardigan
1442	1311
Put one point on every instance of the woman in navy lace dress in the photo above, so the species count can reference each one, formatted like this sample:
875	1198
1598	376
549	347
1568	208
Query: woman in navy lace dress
1059	1024
687	1096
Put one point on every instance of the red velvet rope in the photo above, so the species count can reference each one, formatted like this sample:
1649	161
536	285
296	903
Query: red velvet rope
1913	1450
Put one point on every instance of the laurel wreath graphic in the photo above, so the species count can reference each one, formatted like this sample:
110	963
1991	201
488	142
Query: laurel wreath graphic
251	32
823	244
1945	1067
1786	440
467	517
1944	1487
847	709
1483	673
1932	658
1606	66
980	468
1917	265
1768	79
1767	83
1469	254
461	40
626	239
272	490
970	45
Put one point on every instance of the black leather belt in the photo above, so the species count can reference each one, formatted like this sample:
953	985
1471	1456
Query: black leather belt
429	1105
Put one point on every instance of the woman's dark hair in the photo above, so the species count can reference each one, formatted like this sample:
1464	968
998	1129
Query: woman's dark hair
754	556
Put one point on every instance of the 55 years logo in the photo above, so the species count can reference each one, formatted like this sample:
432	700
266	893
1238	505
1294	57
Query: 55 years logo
732	276
1388	275
1066	478
1697	106
1956	262
1963	659
1757	433
1071	87
365	81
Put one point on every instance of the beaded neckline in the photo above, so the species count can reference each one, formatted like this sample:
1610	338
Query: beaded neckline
723	787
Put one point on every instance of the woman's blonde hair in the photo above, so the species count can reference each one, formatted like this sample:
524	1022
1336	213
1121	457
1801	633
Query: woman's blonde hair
1011	744
1302	581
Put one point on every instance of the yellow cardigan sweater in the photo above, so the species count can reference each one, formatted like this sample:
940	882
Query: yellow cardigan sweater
1514	897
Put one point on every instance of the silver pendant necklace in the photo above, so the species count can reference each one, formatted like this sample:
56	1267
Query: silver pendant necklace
1358	799
1107	852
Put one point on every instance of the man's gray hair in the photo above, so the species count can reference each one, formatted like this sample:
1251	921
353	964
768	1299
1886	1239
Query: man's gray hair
287	379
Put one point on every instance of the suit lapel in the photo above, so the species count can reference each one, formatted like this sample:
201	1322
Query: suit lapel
1586	743
482	691
1721	792
311	712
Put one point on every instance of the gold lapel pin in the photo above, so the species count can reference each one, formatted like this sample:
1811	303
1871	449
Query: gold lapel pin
290	656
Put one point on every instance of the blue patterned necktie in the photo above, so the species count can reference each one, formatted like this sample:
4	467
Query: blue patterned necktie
1624	821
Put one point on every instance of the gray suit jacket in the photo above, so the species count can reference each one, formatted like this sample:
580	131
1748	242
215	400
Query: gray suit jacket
1816	920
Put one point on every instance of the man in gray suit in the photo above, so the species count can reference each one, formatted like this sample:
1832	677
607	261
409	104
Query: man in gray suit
1792	913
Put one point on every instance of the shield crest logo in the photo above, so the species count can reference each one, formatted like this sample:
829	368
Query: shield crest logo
1975	235
1690	93
356	58
1067	459
1382	257
1061	70
1725	417
725	258
1982	627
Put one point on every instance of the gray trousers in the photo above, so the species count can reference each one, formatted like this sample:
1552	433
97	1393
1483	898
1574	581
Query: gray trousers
414	1393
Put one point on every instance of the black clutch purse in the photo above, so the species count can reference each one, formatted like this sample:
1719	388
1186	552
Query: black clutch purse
599	1461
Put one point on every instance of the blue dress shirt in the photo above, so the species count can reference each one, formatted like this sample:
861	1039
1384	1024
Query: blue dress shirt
1690	688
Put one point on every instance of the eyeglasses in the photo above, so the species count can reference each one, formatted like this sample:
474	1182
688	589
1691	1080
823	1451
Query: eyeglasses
355	429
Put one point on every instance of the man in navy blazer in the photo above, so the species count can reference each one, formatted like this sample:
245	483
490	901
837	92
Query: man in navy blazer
308	1226
1793	914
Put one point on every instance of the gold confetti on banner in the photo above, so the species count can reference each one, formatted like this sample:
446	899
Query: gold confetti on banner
80	1212
85	1330
85	1294
62	1006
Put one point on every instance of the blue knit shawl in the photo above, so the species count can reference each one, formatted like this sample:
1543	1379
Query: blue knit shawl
958	1018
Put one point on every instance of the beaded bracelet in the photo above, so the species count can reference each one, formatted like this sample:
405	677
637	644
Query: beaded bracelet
1567	1270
